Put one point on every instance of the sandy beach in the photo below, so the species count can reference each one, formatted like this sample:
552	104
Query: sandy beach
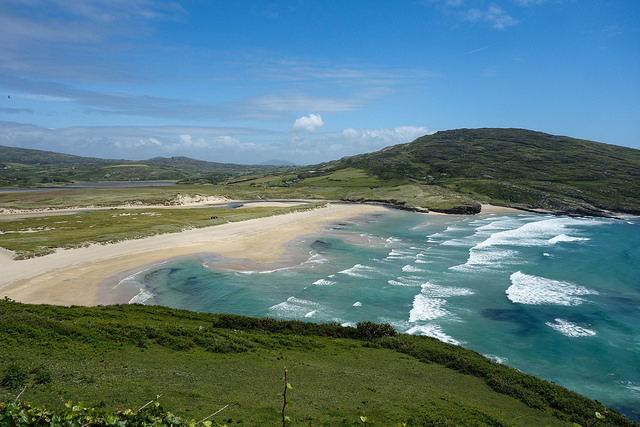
74	276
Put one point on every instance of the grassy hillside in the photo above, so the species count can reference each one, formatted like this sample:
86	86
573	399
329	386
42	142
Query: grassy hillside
451	171
514	167
20	167
122	356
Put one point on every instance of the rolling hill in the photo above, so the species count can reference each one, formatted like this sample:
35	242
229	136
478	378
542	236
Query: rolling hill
23	167
450	171
512	167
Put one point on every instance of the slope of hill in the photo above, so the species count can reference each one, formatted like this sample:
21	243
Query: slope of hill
451	171
122	356
514	167
24	167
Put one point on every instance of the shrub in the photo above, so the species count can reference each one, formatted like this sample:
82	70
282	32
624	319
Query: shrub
14	377
375	330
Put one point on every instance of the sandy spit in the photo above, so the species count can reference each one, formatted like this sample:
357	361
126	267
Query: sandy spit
74	276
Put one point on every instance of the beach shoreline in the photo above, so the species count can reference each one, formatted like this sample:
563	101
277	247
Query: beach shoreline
75	276
88	276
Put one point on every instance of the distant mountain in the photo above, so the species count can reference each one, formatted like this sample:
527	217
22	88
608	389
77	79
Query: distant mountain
26	167
514	167
27	156
451	171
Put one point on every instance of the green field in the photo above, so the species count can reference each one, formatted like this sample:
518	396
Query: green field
123	356
33	236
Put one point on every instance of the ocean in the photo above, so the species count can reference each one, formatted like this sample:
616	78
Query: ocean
556	297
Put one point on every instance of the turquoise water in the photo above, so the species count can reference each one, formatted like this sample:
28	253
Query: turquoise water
556	297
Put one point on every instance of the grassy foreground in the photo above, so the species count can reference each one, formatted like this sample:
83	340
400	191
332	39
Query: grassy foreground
122	356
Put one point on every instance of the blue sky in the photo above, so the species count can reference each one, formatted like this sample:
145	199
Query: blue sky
247	81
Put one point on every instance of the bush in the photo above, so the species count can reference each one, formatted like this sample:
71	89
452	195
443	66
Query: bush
375	330
14	377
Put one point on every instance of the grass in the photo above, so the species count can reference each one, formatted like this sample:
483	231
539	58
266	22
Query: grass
450	171
515	167
122	356
38	235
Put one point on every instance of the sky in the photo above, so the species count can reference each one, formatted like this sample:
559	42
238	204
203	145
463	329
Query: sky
249	81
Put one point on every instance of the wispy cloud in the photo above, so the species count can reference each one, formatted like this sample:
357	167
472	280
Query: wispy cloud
476	11
526	3
277	106
494	15
64	39
236	145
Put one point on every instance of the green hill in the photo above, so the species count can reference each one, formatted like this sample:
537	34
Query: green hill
512	167
117	357
451	171
23	167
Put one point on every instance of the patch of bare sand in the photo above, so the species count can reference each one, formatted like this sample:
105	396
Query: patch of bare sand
73	277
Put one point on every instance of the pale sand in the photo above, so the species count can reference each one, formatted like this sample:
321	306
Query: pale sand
74	276
492	209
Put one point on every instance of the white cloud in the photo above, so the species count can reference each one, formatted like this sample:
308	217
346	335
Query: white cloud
494	16
498	18
308	124
227	145
309	149
529	2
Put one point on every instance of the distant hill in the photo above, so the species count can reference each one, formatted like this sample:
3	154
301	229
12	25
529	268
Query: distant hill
514	167
25	167
451	171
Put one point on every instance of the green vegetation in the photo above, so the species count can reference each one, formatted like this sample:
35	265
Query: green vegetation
20	167
515	167
118	357
35	236
452	171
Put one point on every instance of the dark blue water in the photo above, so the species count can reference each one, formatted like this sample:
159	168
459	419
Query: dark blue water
556	297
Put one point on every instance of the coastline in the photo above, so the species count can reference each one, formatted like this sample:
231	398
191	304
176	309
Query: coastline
74	276
77	276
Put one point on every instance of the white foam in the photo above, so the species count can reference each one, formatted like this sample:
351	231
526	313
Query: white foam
359	270
565	238
438	291
527	289
537	233
295	308
391	240
570	329
434	331
357	304
317	259
142	297
497	359
403	281
486	259
425	308
324	282
400	254
411	269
